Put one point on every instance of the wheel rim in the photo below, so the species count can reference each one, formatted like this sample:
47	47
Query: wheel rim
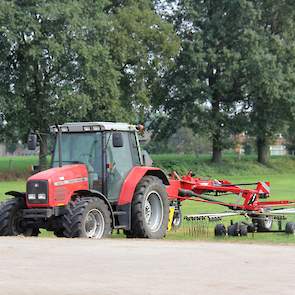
94	224
153	211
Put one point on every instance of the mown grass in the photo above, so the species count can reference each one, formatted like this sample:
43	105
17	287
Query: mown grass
280	172
19	167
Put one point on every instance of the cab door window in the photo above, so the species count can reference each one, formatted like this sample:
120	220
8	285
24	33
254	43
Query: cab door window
119	164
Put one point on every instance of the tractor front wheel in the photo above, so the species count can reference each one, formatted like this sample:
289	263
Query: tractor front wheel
150	209
11	221
87	218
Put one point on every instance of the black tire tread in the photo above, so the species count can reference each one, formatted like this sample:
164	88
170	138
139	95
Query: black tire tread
219	230
138	228
290	228
8	208
5	212
73	217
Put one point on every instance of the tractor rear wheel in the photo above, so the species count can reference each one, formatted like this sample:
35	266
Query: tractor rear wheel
150	209
87	218
11	221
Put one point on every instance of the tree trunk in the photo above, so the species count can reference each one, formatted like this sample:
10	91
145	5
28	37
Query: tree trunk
216	149
216	134
43	152
262	150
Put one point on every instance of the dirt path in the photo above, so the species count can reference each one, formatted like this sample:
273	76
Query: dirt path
87	267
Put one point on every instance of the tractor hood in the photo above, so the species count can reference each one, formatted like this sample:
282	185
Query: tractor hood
58	174
55	186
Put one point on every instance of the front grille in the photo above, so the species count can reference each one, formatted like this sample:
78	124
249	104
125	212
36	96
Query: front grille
37	191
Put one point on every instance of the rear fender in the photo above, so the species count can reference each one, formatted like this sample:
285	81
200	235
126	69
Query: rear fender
132	180
96	194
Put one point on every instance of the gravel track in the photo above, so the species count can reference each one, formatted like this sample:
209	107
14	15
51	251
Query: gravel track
44	266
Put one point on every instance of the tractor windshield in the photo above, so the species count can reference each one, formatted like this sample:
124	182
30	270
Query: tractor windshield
83	148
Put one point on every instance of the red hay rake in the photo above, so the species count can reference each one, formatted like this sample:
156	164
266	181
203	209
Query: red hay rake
248	204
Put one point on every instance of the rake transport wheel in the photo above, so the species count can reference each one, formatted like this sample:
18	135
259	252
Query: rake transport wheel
220	230
290	228
233	230
11	221
243	230
237	229
150	209
87	218
263	224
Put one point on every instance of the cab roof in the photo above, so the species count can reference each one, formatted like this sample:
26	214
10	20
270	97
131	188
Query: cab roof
93	126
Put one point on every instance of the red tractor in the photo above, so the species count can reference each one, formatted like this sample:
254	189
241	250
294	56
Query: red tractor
98	182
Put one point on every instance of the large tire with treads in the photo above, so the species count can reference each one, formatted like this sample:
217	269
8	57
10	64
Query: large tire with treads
11	221
87	218
150	209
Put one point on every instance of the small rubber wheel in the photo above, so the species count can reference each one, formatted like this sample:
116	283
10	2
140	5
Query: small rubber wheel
251	228
290	228
220	230
233	230
243	230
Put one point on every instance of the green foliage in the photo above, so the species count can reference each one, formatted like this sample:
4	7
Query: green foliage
269	67
203	89
235	71
79	60
142	46
184	140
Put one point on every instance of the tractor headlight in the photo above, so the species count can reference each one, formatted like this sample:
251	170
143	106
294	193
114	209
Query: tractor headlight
41	196
31	197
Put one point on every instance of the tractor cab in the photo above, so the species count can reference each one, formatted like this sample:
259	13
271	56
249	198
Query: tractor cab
109	151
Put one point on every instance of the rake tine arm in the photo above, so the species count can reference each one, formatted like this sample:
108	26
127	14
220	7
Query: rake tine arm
188	194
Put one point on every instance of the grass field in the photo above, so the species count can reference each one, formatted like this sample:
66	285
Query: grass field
280	172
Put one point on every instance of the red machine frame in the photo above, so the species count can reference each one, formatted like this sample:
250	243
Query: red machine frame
195	189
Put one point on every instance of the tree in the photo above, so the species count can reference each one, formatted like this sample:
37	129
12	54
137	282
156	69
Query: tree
204	88
143	46
53	62
270	82
78	60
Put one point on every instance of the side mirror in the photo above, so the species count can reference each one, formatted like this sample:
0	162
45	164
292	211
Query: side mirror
117	139
32	141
